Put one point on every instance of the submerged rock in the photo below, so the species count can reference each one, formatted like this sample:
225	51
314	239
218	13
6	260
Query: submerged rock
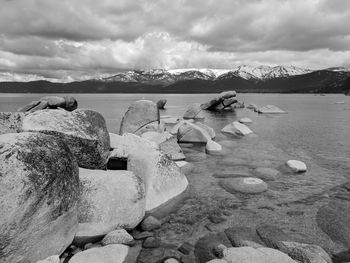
296	166
269	109
243	237
39	188
84	131
237	128
245	185
161	104
141	116
272	236
266	173
11	122
150	223
194	111
108	254
109	200
245	120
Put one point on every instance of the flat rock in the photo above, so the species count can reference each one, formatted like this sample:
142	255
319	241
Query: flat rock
296	166
119	236
245	120
270	109
266	173
139	116
39	189
246	185
108	254
84	131
109	200
11	122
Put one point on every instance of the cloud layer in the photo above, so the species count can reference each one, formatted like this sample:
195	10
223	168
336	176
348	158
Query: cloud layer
68	40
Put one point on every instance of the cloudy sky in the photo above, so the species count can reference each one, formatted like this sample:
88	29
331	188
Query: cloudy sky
75	39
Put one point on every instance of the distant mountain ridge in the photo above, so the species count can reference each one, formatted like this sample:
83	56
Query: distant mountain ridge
279	79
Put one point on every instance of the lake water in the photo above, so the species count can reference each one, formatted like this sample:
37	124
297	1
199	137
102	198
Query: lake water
316	130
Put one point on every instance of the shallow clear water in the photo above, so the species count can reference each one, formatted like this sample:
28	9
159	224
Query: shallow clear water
316	130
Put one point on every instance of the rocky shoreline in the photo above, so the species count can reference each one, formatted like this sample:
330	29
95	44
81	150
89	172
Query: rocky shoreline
72	191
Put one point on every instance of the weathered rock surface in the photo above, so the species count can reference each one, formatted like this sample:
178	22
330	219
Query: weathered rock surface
162	178
39	188
215	102
11	122
307	253
52	259
185	167
296	166
84	131
108	254
245	185
150	223
189	132
141	116
213	147
255	255
208	129
51	102
237	128
119	236
167	144
161	104
272	236
109	200
194	111
270	109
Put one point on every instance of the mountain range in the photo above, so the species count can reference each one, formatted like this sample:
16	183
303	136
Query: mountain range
278	79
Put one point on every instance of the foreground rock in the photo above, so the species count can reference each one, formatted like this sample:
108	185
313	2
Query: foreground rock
107	254
270	109
109	200
246	185
119	236
39	188
220	102
161	104
189	132
84	131
243	237
167	143
52	259
11	122
194	111
141	116
162	178
237	128
51	102
296	166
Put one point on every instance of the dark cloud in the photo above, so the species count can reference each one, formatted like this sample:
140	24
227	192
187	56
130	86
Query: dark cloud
75	38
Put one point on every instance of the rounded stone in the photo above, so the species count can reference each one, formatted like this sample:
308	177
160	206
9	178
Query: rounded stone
266	173
296	166
247	185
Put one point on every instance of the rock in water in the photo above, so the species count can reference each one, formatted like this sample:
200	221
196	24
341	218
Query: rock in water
52	259
109	200
189	132
163	179
107	254
141	116
11	122
213	147
237	128
215	102
270	109
54	102
206	128
273	236
245	185
243	237
194	111
245	120
84	131
119	236
161	103
296	166
39	189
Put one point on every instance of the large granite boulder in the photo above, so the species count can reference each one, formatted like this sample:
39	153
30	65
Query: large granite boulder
141	116
84	131
167	144
109	200
194	111
163	179
39	189
115	253
218	103
189	132
11	122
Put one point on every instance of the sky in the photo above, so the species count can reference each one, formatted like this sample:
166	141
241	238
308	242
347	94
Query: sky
68	40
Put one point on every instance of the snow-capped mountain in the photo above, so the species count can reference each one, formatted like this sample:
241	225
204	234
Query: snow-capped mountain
156	76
